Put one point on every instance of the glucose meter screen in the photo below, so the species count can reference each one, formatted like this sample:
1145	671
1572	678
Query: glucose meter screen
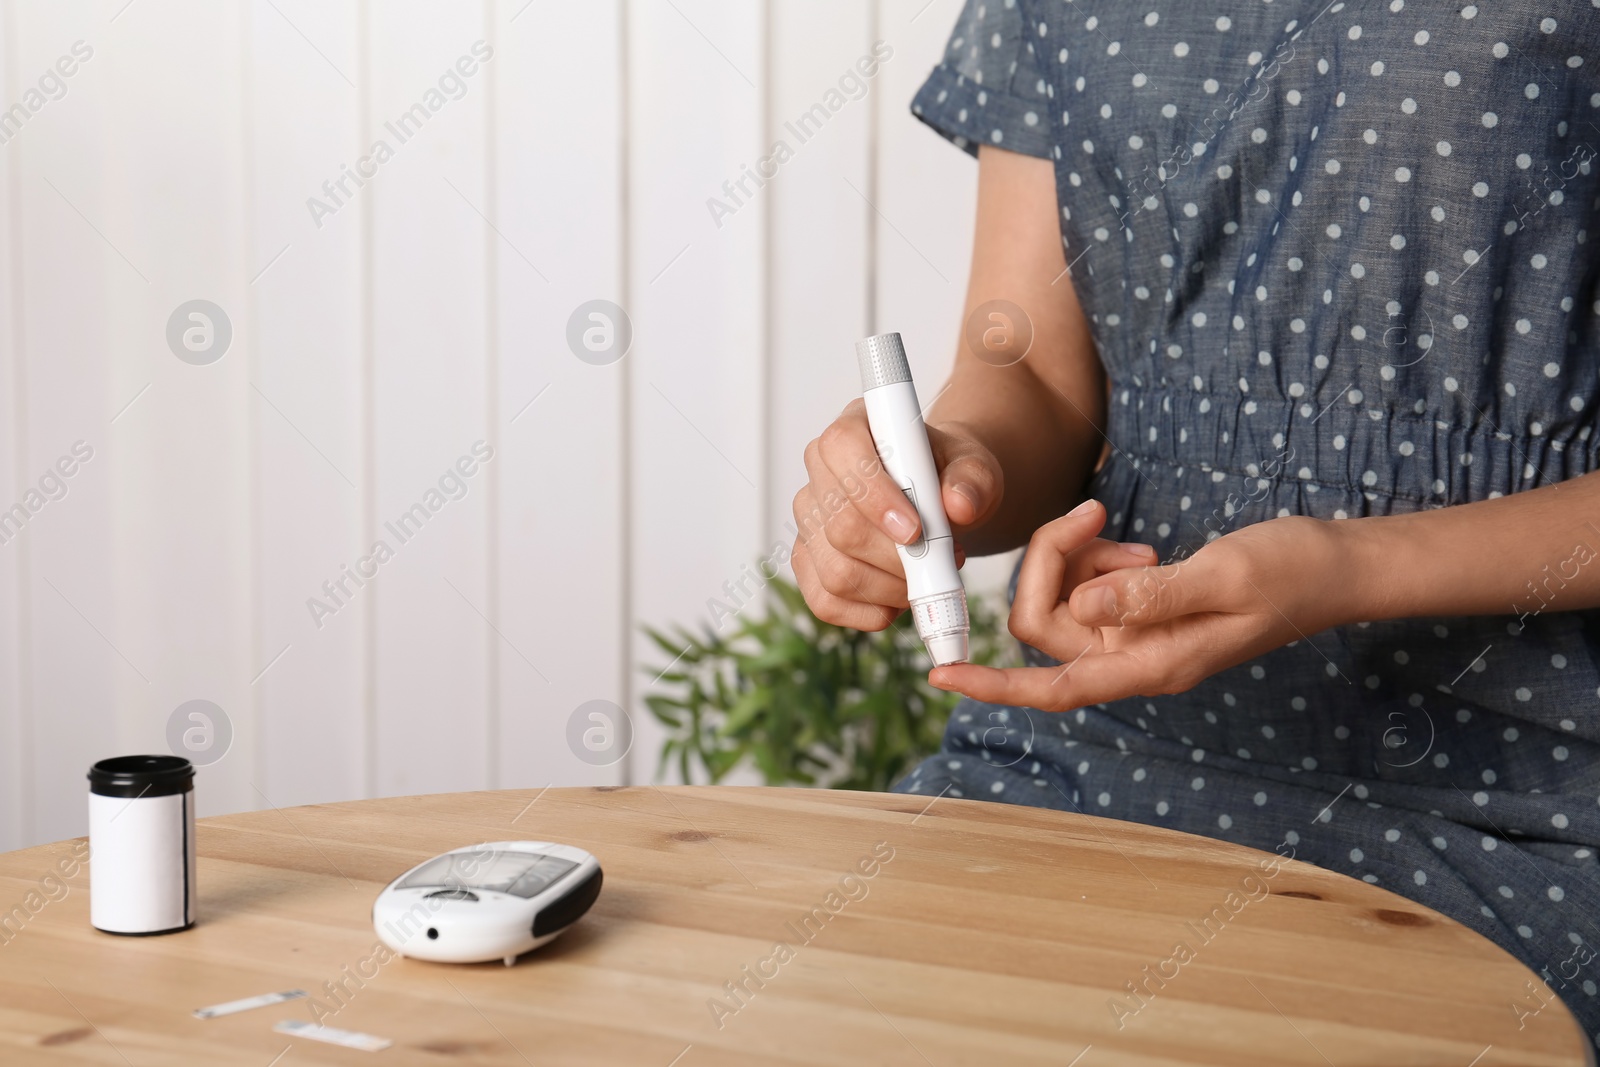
523	874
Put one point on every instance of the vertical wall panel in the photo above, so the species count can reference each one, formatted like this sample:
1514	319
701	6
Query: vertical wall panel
927	196
65	272
558	423
16	800
429	308
130	184
697	290
170	194
820	272
303	123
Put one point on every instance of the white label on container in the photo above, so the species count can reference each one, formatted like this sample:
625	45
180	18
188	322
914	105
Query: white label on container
141	870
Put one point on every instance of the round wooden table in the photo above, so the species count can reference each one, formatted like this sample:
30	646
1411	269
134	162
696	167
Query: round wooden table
781	926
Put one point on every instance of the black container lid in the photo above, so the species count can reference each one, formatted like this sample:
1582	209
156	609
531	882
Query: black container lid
141	776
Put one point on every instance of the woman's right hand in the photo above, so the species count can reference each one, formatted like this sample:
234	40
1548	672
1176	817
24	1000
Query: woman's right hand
851	515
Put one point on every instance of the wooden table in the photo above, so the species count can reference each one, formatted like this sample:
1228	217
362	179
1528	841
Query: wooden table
985	934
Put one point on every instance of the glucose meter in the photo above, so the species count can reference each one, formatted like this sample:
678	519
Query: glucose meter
493	901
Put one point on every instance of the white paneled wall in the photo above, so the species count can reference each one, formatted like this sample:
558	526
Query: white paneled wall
309	323
561	153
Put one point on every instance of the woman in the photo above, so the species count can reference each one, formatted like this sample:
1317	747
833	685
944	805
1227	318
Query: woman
1313	323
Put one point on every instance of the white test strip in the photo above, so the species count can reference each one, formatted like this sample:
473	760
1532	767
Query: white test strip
346	1038
247	1003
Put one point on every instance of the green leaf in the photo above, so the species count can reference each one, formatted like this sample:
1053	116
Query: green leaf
803	701
744	711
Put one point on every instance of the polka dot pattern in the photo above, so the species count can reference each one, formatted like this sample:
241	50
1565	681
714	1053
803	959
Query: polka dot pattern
1195	143
1336	263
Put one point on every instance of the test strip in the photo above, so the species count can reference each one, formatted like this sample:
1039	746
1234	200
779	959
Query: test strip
247	1003
346	1038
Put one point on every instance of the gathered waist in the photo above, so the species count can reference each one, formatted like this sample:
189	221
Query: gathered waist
1347	444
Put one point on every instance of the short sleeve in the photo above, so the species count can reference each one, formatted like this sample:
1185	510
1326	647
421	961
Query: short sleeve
989	89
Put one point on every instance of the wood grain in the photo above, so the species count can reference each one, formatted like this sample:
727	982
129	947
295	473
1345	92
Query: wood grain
985	934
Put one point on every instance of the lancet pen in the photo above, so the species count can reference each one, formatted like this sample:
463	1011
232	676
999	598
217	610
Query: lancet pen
938	599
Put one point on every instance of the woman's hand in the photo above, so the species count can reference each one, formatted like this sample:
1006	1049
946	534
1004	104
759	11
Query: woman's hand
1148	630
1035	417
851	515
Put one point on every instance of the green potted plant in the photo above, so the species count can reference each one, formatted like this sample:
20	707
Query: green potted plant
803	701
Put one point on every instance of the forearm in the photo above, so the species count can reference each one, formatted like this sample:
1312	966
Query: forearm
1520	555
1038	409
1047	443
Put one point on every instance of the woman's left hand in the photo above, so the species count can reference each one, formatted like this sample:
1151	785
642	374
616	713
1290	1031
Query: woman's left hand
1143	631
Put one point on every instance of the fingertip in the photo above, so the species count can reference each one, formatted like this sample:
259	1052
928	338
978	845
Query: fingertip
963	503
952	676
901	526
1094	605
971	483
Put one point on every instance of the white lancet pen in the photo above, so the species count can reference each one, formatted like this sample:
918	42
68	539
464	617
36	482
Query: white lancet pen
933	584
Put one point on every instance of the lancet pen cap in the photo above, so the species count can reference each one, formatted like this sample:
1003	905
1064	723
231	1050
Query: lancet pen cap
947	649
943	625
883	361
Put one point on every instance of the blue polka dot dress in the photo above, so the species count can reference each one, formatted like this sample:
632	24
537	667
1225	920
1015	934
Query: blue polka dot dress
1337	262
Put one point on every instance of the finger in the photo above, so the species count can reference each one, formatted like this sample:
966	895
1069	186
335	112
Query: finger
829	510
832	609
819	501
847	450
849	578
1050	626
852	534
811	520
1095	678
1044	568
839	573
1157	660
970	478
1100	556
1145	595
